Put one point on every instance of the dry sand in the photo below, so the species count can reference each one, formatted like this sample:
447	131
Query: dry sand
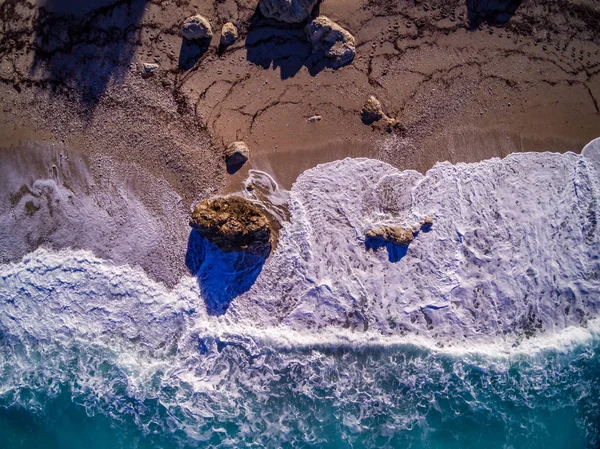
462	88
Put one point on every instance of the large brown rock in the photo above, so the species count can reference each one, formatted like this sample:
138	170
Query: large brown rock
396	235
332	40
290	11
196	27
233	223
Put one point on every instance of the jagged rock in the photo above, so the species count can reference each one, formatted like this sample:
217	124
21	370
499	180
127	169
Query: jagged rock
233	224
332	40
236	155
290	11
372	112
196	27
229	34
391	234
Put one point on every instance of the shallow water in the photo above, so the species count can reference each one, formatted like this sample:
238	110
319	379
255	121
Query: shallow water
485	332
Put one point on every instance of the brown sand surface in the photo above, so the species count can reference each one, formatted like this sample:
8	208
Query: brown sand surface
463	86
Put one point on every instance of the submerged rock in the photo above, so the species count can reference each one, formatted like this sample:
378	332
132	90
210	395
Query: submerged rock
372	112
290	11
426	223
332	40
196	27
229	34
391	234
233	224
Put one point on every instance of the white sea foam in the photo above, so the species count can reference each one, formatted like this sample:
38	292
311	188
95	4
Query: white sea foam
513	250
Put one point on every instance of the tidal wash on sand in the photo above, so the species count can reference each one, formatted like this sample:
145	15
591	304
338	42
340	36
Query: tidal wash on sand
484	329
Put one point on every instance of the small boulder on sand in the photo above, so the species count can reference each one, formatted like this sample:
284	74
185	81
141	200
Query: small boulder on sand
196	27
396	235
290	11
332	40
236	155
229	34
150	67
233	224
372	112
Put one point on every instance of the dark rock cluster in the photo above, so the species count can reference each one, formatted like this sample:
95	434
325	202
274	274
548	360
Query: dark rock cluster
233	224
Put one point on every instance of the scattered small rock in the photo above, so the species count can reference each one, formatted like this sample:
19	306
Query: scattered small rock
233	224
236	155
335	42
229	34
150	67
290	11
396	235
196	27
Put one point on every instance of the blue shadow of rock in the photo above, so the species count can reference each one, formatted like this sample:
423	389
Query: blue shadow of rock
395	252
221	276
191	52
491	11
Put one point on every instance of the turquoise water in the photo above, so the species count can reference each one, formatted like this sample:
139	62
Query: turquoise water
329	397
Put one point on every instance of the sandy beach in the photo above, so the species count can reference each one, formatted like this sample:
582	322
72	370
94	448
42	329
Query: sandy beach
463	86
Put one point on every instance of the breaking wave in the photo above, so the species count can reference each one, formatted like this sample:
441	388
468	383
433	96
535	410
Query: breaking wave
484	331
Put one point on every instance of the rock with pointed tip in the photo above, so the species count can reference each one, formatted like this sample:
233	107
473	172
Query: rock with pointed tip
372	112
229	34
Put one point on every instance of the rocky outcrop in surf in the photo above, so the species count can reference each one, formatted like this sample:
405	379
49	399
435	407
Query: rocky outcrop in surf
290	11
336	43
233	224
395	235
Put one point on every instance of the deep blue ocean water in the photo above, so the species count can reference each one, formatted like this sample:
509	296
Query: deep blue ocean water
326	397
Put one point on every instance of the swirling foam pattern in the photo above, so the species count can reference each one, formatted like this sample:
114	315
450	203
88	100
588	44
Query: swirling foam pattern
484	332
513	250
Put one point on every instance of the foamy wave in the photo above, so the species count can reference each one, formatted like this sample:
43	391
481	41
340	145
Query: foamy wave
125	346
513	251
